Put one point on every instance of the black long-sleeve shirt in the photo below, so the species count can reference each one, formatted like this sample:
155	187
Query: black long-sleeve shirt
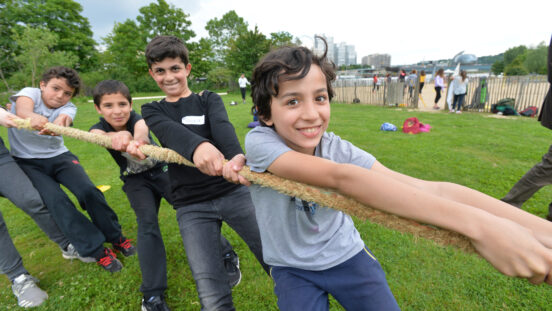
182	126
545	116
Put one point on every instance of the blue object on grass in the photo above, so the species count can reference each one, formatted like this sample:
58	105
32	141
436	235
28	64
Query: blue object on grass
388	127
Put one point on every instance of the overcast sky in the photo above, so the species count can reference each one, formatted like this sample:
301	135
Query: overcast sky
410	31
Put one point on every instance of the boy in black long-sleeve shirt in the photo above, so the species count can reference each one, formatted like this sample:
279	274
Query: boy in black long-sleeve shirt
197	127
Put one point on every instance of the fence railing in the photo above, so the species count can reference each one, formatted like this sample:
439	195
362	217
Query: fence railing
525	90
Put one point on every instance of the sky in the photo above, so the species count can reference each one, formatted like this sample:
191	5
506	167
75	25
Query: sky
410	31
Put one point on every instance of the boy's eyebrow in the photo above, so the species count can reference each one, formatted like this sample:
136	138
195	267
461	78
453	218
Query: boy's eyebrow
323	89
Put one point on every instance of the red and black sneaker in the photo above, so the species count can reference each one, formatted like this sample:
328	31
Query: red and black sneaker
109	261
124	246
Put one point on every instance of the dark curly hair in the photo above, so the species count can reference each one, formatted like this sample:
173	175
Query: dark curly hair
69	74
286	64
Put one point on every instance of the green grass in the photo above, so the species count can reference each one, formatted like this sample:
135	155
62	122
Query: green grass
484	153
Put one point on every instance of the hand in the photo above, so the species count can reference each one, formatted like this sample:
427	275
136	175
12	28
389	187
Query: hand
38	122
514	251
6	118
120	140
63	120
134	149
208	159
231	168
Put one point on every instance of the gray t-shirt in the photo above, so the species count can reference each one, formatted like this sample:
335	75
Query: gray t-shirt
28	144
295	233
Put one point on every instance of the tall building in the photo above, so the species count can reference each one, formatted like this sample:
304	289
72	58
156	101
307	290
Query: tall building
377	61
342	54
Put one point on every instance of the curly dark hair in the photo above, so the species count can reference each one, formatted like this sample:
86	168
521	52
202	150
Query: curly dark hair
69	74
286	64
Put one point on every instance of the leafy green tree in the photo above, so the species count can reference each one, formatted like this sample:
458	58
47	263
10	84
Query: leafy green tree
222	31
201	54
163	19
219	76
515	67
497	67
37	54
512	53
535	60
281	38
125	48
245	51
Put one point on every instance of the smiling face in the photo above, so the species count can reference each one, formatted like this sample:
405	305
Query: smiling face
56	92
171	75
300	113
115	109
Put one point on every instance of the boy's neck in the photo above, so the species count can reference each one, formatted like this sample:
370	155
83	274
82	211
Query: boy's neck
184	94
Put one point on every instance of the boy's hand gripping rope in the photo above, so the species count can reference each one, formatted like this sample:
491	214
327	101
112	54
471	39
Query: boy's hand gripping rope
323	197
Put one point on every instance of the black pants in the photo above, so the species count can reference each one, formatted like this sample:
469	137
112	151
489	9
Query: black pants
87	236
438	96
242	89
537	177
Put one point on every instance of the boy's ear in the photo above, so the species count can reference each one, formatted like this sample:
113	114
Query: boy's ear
188	69
98	109
150	72
268	122
42	85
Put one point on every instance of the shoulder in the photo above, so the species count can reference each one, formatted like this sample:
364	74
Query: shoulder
31	92
339	150
263	145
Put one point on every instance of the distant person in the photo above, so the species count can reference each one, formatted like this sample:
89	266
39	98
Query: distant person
375	82
242	81
439	85
422	80
539	175
402	75
412	78
459	88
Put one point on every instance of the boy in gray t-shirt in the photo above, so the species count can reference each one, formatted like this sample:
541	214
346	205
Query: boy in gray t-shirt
321	252
49	164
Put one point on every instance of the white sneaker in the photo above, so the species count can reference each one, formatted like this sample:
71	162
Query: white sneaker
27	292
452	111
71	253
458	111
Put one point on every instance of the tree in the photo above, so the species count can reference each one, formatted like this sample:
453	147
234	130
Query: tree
125	48
513	53
515	67
245	51
201	54
535	60
37	54
281	38
163	19
222	31
497	67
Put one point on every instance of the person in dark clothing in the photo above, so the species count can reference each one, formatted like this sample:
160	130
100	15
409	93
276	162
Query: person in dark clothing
539	175
197	127
146	182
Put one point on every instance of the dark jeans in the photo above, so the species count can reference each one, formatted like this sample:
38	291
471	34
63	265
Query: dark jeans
144	192
458	101
537	177
358	284
87	236
242	90
11	263
200	225
438	94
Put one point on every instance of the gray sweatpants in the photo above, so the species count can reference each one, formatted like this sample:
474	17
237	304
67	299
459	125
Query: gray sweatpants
537	177
16	187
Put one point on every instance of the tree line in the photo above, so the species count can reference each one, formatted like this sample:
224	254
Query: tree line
37	34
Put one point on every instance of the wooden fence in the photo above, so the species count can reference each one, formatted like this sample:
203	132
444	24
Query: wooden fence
525	90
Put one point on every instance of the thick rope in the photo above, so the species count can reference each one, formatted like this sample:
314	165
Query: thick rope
323	197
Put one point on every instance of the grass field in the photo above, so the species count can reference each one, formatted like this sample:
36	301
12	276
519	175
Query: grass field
487	154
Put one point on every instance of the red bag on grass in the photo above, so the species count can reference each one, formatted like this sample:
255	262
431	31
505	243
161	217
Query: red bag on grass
411	126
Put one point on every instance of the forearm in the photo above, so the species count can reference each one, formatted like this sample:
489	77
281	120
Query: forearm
392	196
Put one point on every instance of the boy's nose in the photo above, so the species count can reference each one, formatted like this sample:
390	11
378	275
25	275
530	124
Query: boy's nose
309	110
